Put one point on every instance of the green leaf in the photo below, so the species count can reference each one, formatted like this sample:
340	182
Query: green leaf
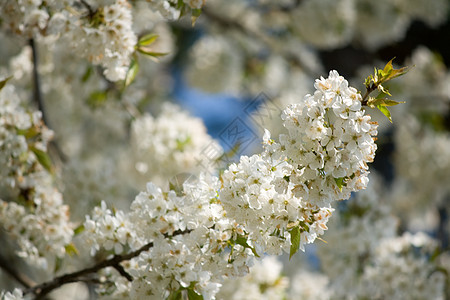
147	39
383	102
28	133
388	68
368	81
385	112
71	249
339	182
151	53
389	72
192	295
43	158
384	90
177	295
292	224
97	98
398	72
295	241
195	14
180	4
4	81
78	230
241	240
181	144
58	264
304	226
132	72
87	74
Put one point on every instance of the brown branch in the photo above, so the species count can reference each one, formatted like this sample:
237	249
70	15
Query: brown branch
370	89
88	7
37	93
37	97
44	288
122	272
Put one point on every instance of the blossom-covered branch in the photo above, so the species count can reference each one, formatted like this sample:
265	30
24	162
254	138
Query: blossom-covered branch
43	289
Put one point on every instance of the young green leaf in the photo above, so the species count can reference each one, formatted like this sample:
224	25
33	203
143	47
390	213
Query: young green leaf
295	240
385	112
192	295
87	74
78	230
384	90
241	240
43	158
147	39
151	53
71	249
29	133
132	72
339	182
58	264
4	81
177	295
97	98
388	68
383	102
389	72
368	81
195	13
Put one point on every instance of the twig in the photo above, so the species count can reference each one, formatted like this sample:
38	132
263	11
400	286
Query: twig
369	90
442	234
89	8
46	287
37	97
122	272
37	93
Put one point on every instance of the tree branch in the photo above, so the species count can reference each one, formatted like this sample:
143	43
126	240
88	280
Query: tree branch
88	7
44	288
37	93
369	90
37	97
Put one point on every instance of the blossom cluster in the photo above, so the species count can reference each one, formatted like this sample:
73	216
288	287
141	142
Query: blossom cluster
104	37
376	262
162	148
363	222
214	228
194	244
30	18
323	158
38	220
401	269
101	33
422	160
201	234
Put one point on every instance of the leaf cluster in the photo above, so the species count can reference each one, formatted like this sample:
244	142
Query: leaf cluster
142	47
375	82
